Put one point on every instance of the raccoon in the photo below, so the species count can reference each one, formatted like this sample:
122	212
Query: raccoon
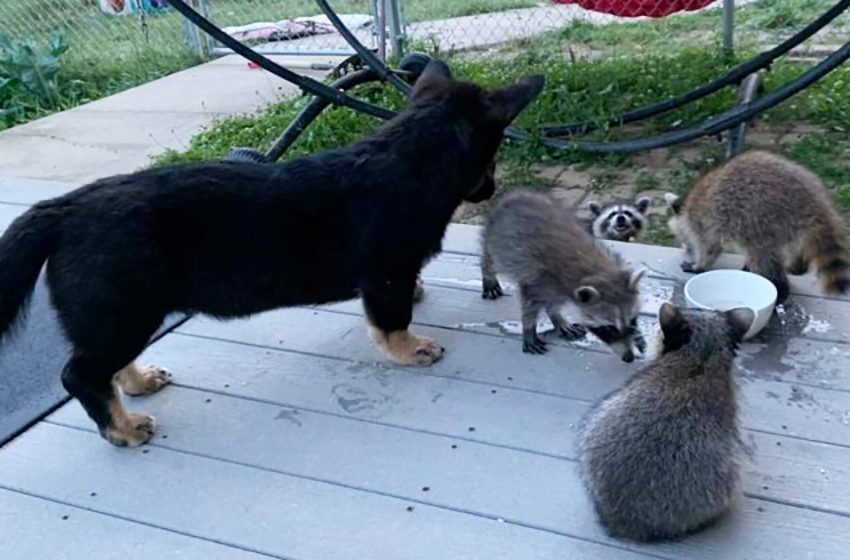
660	455
618	221
540	243
776	212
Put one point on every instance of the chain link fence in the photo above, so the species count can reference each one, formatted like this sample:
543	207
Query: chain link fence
119	33
147	38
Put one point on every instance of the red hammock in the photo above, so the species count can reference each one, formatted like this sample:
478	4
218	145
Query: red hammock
635	8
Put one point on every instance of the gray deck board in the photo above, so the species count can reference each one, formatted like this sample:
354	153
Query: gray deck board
288	435
486	474
73	533
266	511
809	412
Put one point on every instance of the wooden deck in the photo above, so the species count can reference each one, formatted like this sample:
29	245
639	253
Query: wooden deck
287	436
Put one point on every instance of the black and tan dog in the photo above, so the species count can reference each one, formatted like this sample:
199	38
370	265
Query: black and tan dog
233	239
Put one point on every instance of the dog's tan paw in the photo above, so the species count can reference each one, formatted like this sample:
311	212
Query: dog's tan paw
132	430
427	351
408	349
135	381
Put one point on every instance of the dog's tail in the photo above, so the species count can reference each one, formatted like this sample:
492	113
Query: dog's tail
24	248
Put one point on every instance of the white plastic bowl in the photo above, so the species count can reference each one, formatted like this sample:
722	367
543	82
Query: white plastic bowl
722	290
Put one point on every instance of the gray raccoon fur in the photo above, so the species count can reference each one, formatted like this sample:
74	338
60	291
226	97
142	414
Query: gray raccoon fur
660	455
539	243
619	220
776	212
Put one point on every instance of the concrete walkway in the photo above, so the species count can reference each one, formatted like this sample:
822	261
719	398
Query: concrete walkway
119	134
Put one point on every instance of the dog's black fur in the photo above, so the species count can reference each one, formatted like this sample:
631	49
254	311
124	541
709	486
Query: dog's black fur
233	239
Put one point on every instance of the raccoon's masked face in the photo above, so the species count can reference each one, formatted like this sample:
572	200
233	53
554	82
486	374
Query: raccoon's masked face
619	222
610	312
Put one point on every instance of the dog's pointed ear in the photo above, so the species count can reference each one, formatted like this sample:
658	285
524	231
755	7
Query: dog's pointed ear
674	202
505	103
594	208
642	204
434	76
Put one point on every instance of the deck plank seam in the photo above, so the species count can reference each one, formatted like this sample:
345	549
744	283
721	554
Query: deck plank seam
445	507
404	499
142	523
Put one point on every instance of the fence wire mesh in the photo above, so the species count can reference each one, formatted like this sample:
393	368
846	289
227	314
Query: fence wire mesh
123	32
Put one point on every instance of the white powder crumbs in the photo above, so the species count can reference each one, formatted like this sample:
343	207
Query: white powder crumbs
816	326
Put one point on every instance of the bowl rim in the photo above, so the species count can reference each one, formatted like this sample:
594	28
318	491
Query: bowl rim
734	272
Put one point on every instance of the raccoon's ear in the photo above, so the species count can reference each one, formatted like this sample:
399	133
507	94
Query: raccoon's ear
642	204
674	328
433	78
505	103
673	201
740	319
670	317
594	207
586	294
635	277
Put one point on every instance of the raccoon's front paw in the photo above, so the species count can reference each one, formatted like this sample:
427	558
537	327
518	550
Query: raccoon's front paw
491	289
531	343
572	331
691	268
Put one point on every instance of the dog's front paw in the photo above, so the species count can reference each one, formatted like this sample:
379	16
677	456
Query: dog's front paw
427	351
132	430
408	349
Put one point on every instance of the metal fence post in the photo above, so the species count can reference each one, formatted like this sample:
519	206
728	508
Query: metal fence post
395	19
728	27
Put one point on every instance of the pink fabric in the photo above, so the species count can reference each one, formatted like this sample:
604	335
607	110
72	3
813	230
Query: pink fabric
636	8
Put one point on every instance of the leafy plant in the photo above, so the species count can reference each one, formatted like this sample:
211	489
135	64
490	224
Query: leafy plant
29	76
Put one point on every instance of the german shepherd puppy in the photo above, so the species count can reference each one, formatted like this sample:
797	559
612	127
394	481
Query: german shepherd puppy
234	239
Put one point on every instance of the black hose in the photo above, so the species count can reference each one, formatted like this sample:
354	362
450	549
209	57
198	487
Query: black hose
714	125
368	57
306	84
313	109
734	76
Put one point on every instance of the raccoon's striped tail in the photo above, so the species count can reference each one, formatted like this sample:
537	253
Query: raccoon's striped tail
829	255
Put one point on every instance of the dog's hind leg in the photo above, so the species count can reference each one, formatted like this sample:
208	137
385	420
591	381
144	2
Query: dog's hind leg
388	305
89	380
105	343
